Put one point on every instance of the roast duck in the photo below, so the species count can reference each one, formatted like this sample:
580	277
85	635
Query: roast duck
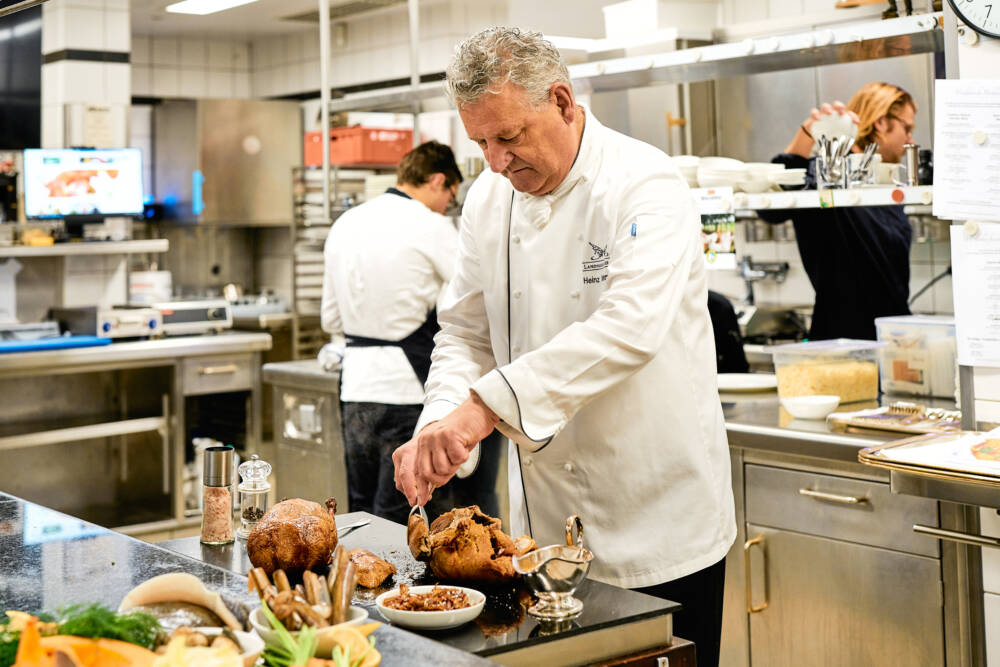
295	535
466	545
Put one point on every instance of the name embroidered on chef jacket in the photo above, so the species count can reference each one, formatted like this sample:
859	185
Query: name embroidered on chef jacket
598	260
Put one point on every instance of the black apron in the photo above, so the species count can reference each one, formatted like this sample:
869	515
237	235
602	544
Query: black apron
417	346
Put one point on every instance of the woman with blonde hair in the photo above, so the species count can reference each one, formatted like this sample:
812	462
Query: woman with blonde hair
857	259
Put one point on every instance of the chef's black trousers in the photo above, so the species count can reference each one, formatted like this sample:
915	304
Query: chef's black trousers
700	621
372	432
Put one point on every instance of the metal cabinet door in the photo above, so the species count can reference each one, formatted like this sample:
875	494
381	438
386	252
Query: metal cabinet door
836	603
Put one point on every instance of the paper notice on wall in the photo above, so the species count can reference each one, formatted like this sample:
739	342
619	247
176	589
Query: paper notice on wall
718	226
975	261
967	149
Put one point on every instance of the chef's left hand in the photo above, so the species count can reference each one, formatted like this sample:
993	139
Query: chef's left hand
443	446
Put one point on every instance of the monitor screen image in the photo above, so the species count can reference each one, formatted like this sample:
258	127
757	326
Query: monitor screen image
60	182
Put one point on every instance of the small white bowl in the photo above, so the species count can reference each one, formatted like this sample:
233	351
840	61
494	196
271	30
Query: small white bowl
324	640
810	407
431	620
251	645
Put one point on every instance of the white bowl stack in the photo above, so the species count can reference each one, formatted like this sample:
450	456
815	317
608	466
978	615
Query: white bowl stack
720	172
688	166
759	176
789	177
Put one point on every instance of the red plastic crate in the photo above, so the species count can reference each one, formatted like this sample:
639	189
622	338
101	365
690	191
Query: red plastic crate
359	145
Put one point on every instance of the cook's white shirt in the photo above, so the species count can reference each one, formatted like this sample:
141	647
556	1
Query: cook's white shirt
583	323
385	266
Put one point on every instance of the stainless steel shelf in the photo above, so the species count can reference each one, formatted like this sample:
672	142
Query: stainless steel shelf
87	248
876	196
838	44
86	432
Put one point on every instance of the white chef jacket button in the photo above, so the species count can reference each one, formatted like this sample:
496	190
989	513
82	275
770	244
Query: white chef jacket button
516	239
579	237
568	467
517	294
517	349
575	294
527	460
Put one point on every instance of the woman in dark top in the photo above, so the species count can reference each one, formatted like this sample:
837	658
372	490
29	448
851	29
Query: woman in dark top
857	259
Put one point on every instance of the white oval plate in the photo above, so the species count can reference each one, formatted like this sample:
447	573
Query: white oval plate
747	381
431	620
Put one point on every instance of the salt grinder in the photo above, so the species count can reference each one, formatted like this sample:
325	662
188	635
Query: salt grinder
217	496
253	493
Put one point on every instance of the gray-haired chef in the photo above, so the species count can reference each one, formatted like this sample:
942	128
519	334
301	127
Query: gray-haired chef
576	323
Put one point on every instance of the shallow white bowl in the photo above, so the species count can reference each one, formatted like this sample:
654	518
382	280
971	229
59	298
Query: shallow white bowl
755	186
251	645
324	639
810	407
431	620
721	163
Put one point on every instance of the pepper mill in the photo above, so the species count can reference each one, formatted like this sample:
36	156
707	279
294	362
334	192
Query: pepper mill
253	493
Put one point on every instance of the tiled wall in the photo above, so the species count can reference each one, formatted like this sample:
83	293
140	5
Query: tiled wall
375	48
190	68
929	256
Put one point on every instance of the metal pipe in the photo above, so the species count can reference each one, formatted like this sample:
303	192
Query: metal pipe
414	7
956	536
324	99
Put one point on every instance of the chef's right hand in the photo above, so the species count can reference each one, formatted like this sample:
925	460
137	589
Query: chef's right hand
404	459
802	143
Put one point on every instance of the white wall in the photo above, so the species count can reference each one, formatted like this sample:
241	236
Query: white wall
190	68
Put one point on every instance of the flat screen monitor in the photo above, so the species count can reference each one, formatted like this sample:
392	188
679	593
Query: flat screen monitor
62	182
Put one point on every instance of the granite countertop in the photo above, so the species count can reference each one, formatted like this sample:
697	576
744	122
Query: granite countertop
503	627
49	559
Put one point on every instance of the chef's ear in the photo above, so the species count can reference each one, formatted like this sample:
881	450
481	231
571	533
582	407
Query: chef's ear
562	96
436	180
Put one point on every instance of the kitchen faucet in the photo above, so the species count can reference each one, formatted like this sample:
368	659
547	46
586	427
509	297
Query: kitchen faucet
752	272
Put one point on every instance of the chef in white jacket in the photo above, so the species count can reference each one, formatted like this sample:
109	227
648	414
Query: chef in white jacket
576	324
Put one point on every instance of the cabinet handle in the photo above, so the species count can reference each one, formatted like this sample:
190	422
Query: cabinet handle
224	369
956	536
832	497
751	609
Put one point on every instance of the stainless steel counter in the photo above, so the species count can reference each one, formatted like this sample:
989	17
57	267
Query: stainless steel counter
757	421
48	362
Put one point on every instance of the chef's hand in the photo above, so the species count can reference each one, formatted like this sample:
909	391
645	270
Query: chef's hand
431	458
802	143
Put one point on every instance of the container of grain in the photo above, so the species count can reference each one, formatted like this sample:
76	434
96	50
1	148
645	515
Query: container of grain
842	367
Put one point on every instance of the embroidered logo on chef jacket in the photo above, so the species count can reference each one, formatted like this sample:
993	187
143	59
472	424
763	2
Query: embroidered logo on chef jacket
598	260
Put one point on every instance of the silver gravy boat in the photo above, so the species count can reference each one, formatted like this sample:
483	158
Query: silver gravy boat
555	572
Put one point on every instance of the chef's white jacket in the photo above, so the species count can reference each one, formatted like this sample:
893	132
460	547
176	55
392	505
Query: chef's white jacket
385	266
580	317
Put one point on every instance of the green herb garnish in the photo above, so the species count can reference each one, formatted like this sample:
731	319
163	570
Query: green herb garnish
8	645
96	621
289	650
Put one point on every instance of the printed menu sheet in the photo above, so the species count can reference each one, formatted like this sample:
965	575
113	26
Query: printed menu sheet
967	149
718	226
975	262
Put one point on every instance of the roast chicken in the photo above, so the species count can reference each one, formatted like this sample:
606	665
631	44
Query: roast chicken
295	535
466	545
371	569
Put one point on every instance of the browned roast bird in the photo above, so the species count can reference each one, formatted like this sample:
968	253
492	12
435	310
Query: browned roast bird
295	535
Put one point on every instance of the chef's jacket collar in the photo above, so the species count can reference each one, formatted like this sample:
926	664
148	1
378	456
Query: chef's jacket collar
538	208
397	191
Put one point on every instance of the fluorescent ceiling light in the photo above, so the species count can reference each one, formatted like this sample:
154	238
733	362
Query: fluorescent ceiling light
202	7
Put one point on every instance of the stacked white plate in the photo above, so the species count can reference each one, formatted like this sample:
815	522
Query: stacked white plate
688	166
718	172
759	176
789	177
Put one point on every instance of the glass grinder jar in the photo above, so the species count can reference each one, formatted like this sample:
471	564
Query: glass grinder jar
217	496
253	493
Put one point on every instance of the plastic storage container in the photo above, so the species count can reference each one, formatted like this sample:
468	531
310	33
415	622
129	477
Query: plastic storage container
919	356
357	145
842	367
